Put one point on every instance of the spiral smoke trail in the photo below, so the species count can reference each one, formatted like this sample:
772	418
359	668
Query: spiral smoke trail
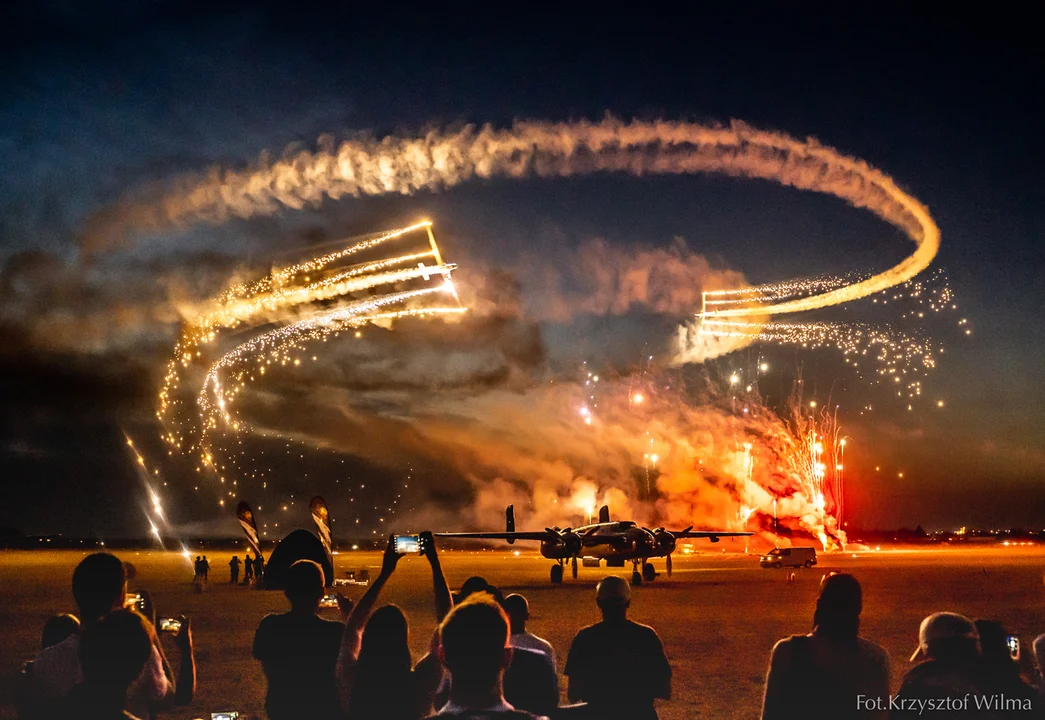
440	160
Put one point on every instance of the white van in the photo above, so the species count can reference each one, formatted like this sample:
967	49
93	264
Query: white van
789	557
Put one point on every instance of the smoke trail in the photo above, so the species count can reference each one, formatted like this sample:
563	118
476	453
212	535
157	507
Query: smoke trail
437	160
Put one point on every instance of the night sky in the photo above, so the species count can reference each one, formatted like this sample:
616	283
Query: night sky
99	100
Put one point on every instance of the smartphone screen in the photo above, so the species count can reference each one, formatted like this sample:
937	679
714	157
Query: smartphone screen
171	625
407	544
224	716
328	601
1014	646
133	601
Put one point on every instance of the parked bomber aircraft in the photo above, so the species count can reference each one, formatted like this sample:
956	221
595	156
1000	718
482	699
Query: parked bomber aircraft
616	542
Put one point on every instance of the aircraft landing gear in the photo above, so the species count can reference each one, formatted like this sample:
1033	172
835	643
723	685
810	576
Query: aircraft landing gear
556	574
636	576
649	574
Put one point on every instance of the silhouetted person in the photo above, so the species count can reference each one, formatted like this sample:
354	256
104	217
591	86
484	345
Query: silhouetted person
99	587
248	569
298	650
1038	650
59	628
114	652
234	570
473	645
376	674
205	569
198	567
617	666
831	673
1001	674
949	648
530	682
259	570
518	610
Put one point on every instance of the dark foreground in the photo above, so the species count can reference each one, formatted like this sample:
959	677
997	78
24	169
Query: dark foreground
718	616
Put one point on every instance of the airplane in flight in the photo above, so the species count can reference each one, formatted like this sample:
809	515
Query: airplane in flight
616	542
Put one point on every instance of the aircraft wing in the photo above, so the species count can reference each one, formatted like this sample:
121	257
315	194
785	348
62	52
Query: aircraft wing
682	534
537	535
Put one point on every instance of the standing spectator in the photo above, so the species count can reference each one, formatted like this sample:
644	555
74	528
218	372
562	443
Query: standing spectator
248	569
1038	650
822	674
298	651
1000	672
234	570
205	570
518	610
949	646
197	578
99	586
530	682
376	675
473	645
259	569
617	666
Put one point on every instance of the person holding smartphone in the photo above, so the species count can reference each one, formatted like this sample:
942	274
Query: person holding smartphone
376	675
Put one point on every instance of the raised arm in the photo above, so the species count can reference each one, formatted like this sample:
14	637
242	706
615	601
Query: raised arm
186	686
355	619
441	590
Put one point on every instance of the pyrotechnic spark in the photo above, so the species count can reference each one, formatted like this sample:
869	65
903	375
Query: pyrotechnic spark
315	300
899	358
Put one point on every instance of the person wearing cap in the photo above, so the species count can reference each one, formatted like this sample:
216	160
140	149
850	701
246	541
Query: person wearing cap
617	666
832	672
948	657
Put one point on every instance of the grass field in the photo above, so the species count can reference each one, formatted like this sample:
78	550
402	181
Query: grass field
718	616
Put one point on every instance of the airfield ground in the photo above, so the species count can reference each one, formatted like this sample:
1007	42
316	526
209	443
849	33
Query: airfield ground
718	616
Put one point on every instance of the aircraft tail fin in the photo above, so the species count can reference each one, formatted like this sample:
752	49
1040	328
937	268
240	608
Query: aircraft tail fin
604	514
509	521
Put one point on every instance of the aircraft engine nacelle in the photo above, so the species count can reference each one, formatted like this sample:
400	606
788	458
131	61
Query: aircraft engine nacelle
665	541
572	543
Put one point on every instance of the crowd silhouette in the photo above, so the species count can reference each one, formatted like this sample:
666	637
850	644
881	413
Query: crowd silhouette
483	664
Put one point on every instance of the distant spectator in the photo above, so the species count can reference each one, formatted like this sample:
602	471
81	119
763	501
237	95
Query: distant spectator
298	650
530	682
205	569
99	587
949	648
234	570
59	628
248	569
198	568
822	674
617	666
114	652
473	645
259	570
376	674
1001	674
